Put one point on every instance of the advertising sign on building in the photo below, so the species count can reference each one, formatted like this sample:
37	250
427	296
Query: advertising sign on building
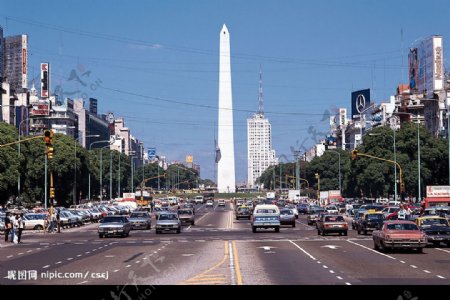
342	116
151	153
45	80
430	74
24	62
437	191
41	109
360	102
111	125
189	159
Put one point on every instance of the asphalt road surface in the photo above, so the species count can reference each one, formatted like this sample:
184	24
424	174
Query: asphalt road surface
218	250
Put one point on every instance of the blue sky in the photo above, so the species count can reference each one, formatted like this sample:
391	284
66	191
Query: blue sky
156	62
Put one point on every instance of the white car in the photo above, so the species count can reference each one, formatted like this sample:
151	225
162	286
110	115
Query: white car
331	209
209	203
221	202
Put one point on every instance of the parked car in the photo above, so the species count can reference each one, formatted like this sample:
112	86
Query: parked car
34	221
266	216
331	224
186	216
114	225
2	223
399	234
167	222
287	217
436	228
140	220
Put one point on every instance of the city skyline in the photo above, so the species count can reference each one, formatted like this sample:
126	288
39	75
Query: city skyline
160	72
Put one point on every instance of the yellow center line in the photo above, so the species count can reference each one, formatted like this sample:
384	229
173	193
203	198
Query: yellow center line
237	267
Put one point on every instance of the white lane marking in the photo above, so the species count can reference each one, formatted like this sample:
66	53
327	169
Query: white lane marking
370	249
116	270
413	266
58	262
131	242
348	283
231	264
325	267
29	251
109	256
87	252
45	267
426	271
189	227
303	250
439	276
331	271
442	250
402	262
339	277
187	254
200	241
334	247
38	248
267	248
138	261
79	255
79	243
83	282
70	258
9	256
318	262
127	266
20	253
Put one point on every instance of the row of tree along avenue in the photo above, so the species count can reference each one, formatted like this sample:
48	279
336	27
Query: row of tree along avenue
366	177
22	176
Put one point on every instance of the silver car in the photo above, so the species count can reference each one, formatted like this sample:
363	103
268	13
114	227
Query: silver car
287	217
186	216
168	222
140	220
114	225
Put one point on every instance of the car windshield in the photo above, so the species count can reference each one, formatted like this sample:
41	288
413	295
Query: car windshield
402	226
266	211
242	209
185	212
334	219
331	208
139	215
434	222
113	219
167	217
286	212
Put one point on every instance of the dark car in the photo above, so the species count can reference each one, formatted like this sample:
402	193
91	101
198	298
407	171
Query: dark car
436	228
302	208
370	222
114	225
313	215
243	212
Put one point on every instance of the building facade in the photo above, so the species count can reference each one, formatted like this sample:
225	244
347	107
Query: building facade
16	62
260	154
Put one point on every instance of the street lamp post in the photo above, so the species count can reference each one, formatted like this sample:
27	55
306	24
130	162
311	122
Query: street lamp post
75	168
419	197
89	177
332	151
297	169
318	185
395	160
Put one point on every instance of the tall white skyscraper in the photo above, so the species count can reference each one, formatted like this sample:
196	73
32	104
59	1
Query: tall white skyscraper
259	142
226	182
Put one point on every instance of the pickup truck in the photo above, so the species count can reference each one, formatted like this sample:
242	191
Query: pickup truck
266	216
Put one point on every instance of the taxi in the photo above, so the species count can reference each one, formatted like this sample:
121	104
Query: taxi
370	221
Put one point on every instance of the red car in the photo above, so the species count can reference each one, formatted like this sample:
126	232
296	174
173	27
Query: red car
399	234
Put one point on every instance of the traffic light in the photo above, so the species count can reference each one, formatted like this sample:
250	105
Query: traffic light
52	192
48	137
354	154
50	150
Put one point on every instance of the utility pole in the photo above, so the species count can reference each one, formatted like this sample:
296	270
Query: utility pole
297	169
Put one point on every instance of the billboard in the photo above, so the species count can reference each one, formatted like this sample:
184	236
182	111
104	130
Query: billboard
413	65
151	153
41	109
438	191
189	159
45	80
430	74
360	102
342	116
111	124
24	62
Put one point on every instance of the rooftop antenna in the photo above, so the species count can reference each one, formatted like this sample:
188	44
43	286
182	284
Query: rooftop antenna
260	95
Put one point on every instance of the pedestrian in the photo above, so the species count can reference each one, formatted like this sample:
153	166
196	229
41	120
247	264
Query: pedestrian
58	217
408	213
8	226
51	215
21	226
13	227
401	215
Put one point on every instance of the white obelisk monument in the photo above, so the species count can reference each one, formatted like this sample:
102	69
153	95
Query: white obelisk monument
225	170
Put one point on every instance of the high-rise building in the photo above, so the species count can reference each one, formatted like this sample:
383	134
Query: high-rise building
226	181
2	54
15	62
259	142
